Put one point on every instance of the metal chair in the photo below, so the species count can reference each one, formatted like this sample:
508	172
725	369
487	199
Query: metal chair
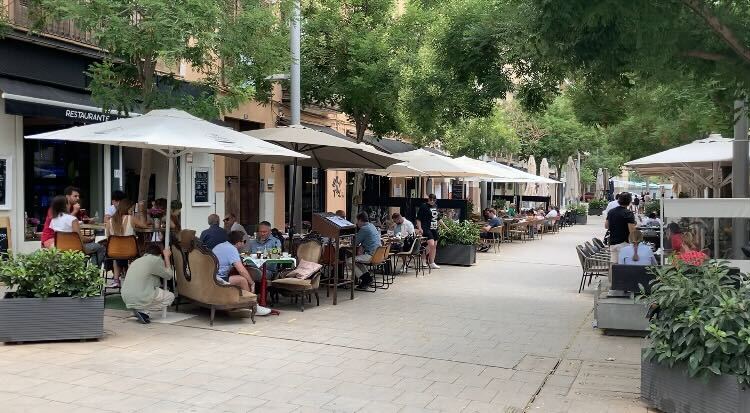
591	266
378	260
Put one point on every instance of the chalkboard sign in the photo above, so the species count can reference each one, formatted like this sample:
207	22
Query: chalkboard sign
201	186
3	241
5	182
457	190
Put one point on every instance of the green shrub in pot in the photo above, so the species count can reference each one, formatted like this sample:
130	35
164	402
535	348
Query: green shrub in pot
578	209
598	203
459	233
51	273
703	322
653	206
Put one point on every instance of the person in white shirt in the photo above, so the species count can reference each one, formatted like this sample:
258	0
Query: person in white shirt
636	252
63	221
231	224
117	197
552	213
652	220
611	205
403	225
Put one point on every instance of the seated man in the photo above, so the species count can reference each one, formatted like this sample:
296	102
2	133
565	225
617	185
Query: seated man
493	221
366	241
341	213
652	220
215	234
552	213
231	224
228	255
141	289
265	241
403	226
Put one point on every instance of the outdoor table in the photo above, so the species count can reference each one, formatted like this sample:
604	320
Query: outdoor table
261	263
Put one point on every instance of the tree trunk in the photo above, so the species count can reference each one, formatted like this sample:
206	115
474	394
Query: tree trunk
358	185
146	73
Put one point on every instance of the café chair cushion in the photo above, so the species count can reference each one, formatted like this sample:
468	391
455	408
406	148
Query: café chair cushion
304	270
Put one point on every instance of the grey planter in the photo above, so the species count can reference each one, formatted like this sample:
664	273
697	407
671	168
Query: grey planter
54	318
581	219
454	254
671	390
595	211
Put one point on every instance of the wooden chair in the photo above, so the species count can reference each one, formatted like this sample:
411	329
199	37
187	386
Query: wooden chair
409	257
310	250
519	230
497	237
378	260
69	241
197	282
120	247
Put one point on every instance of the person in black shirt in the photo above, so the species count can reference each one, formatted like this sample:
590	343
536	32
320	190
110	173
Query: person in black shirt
428	222
620	223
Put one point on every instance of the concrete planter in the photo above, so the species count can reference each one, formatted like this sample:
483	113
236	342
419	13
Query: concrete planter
54	318
581	219
454	254
671	390
595	211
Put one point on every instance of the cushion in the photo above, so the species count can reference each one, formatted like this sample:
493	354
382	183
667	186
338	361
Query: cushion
304	270
292	284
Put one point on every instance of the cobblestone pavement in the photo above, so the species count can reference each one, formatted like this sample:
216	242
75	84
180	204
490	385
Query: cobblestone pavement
509	334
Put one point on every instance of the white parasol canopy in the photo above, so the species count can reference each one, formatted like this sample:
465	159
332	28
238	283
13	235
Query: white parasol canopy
600	183
436	165
530	189
172	132
519	175
571	180
397	170
542	188
699	154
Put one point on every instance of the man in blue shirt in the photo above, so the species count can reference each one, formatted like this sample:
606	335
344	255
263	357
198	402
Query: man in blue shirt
228	255
265	242
215	234
493	221
366	241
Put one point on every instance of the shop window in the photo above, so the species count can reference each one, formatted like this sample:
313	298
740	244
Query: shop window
49	167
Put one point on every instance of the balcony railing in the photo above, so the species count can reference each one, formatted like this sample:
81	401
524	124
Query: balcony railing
17	12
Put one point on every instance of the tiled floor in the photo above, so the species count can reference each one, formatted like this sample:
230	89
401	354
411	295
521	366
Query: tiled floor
510	334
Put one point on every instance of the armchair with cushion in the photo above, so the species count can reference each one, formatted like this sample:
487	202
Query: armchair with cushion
197	282
310	251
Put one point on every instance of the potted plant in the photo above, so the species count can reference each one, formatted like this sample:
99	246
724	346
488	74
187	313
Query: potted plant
457	245
698	359
579	213
57	295
597	206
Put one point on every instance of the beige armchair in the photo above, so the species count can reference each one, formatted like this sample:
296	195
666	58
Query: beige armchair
309	250
196	280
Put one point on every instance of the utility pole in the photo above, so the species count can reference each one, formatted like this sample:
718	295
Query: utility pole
740	172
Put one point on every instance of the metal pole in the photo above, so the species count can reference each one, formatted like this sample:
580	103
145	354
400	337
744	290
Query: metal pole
716	181
740	173
168	216
663	222
295	72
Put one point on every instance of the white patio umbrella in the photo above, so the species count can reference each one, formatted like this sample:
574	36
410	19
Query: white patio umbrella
521	176
599	182
436	165
530	189
571	180
699	154
398	170
325	151
172	133
542	188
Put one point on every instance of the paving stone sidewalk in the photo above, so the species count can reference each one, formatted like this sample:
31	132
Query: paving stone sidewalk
510	334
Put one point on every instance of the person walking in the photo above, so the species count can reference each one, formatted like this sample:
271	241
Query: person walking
620	223
428	223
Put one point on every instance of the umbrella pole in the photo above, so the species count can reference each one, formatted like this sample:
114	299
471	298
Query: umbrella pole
291	208
168	214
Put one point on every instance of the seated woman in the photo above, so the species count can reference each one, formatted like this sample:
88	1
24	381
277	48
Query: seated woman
675	236
122	223
636	252
63	221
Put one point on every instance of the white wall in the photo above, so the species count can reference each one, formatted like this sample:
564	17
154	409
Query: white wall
11	144
196	217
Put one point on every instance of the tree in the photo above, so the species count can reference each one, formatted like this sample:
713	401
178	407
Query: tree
348	63
232	44
475	137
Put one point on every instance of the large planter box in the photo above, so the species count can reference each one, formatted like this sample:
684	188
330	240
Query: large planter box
595	211
671	390
581	219
54	318
456	255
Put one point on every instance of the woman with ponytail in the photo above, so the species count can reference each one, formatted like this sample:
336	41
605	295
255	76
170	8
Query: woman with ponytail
636	252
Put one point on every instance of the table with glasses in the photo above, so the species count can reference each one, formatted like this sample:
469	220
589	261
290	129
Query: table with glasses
261	263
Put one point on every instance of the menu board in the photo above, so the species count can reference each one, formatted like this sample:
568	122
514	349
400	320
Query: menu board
340	222
201	186
5	182
457	190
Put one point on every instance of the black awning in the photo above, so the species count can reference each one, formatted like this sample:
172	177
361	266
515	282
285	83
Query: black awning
33	99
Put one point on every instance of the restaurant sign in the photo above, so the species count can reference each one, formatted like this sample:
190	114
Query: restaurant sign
17	107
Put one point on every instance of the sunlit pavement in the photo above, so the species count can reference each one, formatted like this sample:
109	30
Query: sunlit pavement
509	334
